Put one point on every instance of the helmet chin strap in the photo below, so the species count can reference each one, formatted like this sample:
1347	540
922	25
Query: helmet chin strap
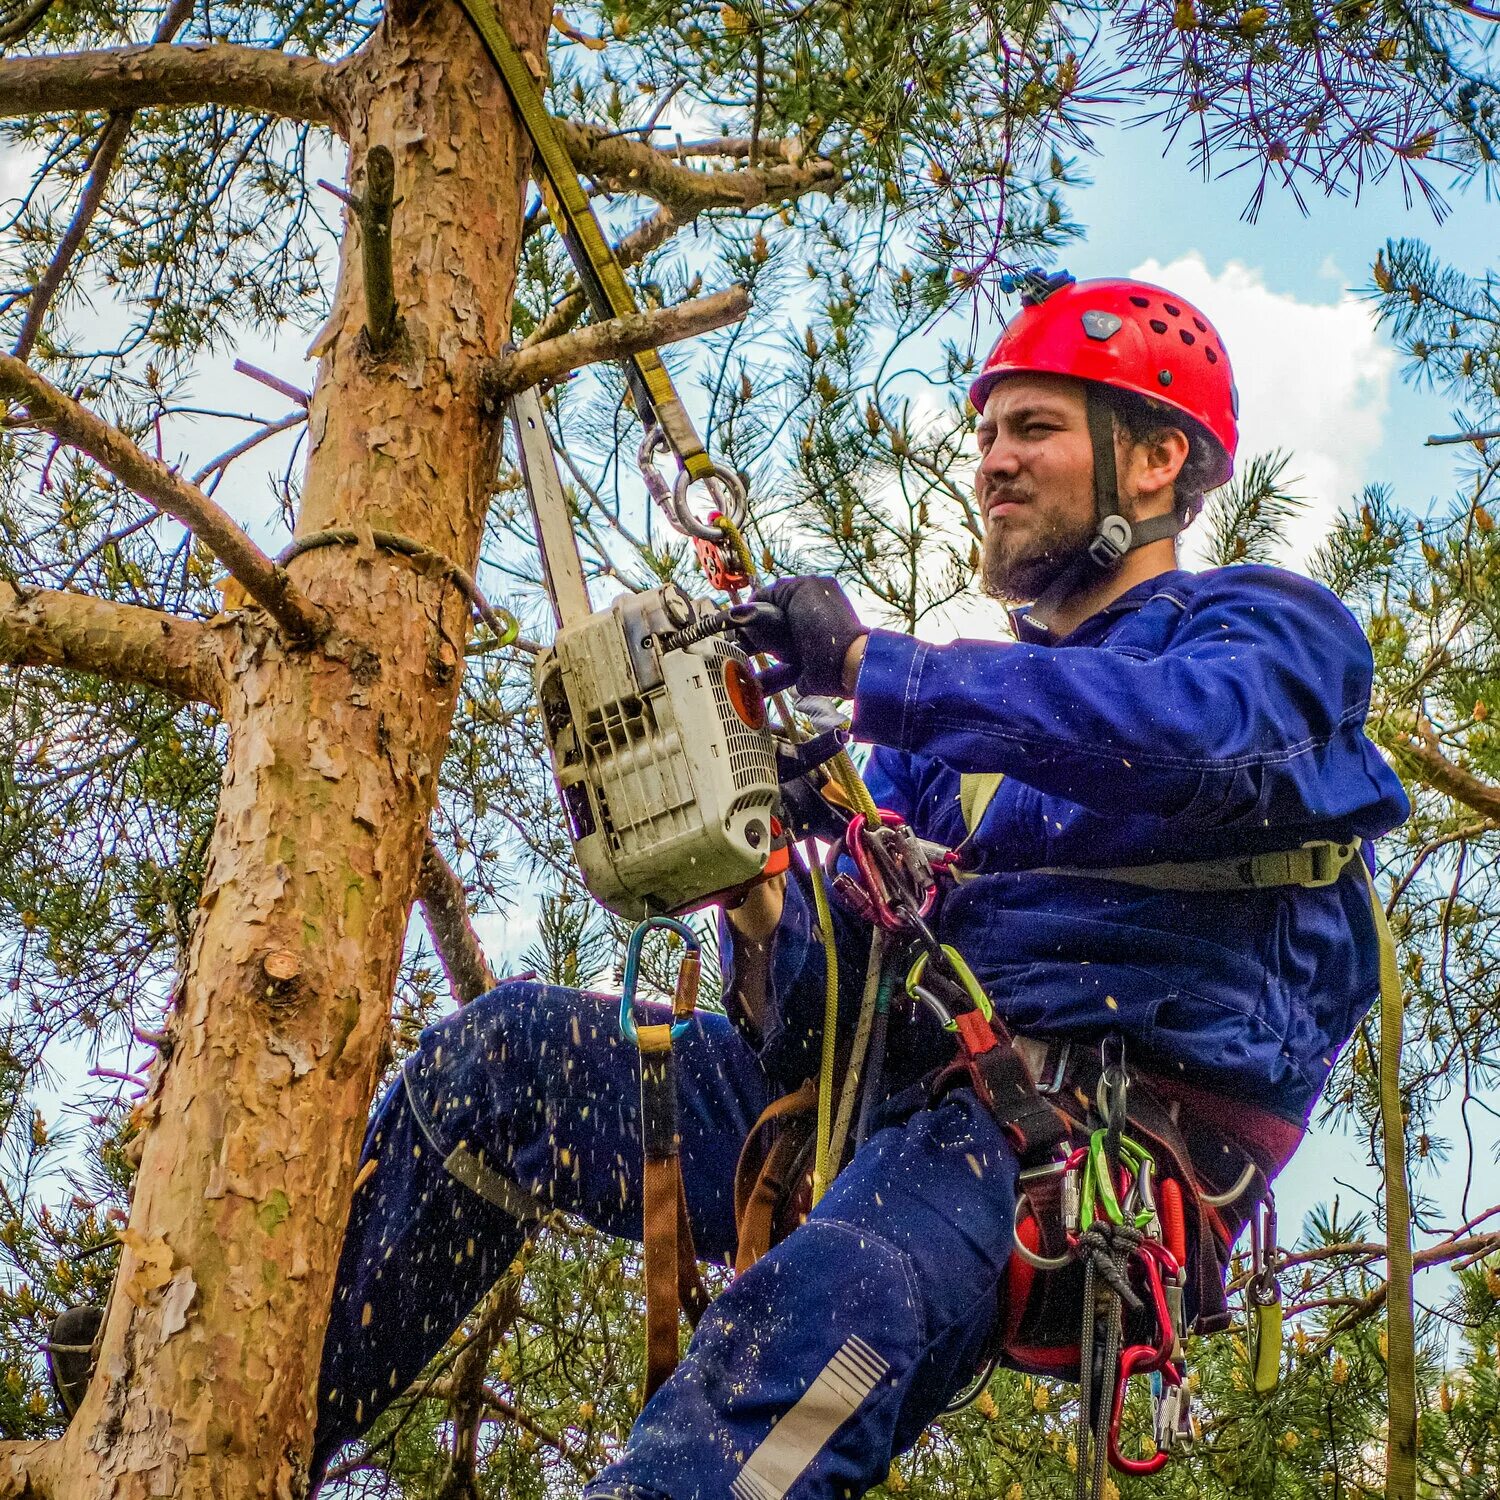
1114	536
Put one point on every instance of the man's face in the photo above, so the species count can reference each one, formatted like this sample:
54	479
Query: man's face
1035	483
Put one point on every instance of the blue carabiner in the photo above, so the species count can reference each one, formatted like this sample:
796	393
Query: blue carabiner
633	971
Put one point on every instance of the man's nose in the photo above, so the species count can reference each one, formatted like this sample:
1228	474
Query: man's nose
1000	460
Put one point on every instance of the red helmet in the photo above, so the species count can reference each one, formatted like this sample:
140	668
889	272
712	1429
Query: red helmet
1126	334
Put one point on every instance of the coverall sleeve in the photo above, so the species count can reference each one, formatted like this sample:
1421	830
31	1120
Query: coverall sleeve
1253	709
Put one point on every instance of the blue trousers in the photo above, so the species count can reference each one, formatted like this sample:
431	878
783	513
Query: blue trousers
804	1377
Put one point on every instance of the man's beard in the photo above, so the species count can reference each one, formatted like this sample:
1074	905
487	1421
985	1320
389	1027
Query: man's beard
1017	566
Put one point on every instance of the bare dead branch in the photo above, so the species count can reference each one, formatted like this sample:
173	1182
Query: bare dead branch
275	382
161	74
615	338
44	628
218	465
446	910
1418	750
627	165
111	143
52	411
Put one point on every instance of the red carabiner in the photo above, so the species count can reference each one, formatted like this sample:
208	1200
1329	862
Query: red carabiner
1138	1359
871	877
1155	1258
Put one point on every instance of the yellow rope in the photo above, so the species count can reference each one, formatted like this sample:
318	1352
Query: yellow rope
821	1177
1400	1323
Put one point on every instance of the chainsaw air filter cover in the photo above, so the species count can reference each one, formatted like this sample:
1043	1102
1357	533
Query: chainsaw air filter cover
665	765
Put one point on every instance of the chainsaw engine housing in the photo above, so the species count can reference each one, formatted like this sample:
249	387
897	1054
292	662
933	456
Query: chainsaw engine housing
665	765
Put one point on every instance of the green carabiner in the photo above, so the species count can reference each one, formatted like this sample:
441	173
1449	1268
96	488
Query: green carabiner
1098	1187
961	971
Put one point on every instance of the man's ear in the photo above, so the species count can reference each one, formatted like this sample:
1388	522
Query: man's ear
1149	472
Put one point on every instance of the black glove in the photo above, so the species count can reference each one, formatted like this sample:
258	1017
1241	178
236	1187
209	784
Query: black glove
810	636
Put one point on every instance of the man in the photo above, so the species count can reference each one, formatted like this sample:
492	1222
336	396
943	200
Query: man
1146	719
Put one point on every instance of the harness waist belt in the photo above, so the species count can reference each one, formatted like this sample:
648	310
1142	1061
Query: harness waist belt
1319	862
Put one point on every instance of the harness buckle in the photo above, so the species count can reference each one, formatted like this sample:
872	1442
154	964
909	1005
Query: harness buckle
1327	860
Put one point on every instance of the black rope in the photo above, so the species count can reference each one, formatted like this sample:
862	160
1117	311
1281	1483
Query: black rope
506	627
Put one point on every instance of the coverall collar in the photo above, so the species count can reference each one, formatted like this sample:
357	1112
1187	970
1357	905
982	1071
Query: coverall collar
1091	629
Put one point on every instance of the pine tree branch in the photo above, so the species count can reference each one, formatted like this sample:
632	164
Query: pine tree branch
44	628
445	907
111	143
1418	750
49	409
156	75
627	165
651	234
615	338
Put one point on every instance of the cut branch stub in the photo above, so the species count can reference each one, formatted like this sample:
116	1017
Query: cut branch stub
374	211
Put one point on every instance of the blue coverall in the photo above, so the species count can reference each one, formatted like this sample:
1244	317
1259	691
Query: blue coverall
1197	716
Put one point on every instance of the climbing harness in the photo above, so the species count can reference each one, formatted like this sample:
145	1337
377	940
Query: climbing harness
671	1265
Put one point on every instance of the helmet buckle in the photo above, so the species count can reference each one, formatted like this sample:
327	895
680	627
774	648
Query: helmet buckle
1111	542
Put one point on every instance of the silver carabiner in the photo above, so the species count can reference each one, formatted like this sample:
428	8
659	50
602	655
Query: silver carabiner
1032	1259
733	502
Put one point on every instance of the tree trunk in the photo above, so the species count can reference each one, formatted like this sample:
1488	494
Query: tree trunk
211	1346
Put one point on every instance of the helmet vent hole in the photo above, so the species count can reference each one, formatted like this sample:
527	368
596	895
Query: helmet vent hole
1141	301
1200	325
1164	376
1185	336
1174	311
1157	326
1213	358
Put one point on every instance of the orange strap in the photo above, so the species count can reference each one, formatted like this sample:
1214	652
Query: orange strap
671	1264
765	1179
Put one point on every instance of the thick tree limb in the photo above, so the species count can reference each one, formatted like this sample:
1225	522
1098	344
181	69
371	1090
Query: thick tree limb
111	142
615	338
446	910
1419	752
1475	1247
52	411
117	78
631	166
44	628
27	1470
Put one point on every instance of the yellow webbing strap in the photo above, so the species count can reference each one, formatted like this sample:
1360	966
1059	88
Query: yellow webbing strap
976	790
1400	1358
599	271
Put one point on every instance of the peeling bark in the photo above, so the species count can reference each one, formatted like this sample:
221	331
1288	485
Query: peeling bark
44	628
274	83
210	1352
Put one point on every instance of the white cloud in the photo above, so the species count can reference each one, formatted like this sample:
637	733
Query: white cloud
1314	378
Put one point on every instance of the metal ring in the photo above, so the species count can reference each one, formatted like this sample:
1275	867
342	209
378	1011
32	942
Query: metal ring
1032	1259
1221	1200
734	504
